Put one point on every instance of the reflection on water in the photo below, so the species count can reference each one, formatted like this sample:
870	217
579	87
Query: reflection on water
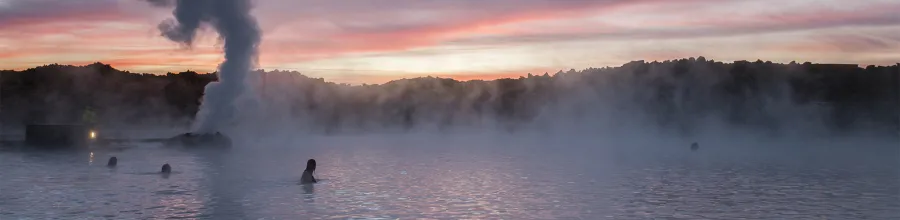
447	182
308	189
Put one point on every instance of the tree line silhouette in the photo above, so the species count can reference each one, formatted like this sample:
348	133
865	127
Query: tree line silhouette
670	94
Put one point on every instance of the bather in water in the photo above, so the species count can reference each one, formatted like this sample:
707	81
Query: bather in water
308	173
112	162
166	169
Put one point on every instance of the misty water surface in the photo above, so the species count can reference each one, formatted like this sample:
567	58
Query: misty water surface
506	177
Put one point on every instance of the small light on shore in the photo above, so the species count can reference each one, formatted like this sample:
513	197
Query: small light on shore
93	135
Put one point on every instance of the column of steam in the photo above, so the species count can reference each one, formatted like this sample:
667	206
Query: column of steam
240	32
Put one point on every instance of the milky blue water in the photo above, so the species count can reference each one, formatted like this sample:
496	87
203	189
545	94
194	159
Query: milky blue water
386	178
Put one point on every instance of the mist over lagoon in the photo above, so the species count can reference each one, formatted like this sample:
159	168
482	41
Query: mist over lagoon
540	147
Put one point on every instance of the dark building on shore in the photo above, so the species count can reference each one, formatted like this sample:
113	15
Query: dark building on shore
51	128
58	135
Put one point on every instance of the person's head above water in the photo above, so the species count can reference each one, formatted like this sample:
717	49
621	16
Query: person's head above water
112	161
166	168
310	165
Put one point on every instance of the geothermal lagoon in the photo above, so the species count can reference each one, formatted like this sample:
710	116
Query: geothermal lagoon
485	176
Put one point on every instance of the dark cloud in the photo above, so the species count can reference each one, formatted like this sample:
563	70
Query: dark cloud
862	42
188	17
23	11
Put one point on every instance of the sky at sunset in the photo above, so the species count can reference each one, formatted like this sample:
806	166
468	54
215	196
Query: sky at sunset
359	41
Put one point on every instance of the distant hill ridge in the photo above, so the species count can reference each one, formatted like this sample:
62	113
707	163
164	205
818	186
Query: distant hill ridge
669	93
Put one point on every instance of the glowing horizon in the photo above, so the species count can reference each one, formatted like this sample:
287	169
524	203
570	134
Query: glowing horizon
361	42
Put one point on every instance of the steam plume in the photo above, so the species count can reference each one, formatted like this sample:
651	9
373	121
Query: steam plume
240	32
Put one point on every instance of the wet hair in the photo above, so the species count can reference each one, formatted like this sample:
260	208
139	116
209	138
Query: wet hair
112	162
166	168
310	165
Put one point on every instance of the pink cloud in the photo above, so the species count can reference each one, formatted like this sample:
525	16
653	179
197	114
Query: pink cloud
720	25
350	38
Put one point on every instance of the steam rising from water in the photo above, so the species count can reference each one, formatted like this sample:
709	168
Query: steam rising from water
684	97
241	34
692	99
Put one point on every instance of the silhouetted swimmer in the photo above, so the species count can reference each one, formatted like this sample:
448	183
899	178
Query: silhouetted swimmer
112	162
166	169
695	146
308	173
